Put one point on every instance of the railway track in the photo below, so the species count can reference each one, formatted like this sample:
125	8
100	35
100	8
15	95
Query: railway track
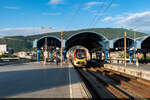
106	83
128	81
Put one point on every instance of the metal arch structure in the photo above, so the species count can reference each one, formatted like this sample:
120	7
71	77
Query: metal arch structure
140	41
35	43
50	36
102	38
87	32
51	41
118	43
89	39
95	39
113	41
143	46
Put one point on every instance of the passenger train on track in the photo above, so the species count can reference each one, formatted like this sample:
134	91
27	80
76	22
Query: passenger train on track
80	57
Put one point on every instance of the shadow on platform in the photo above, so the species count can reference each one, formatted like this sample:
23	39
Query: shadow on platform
26	81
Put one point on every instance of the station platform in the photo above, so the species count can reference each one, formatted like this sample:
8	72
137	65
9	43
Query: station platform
141	71
78	90
32	80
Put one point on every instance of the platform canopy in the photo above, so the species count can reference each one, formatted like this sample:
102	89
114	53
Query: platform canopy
50	40
118	43
90	40
146	43
143	43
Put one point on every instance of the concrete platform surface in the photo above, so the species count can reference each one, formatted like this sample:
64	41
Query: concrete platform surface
141	66
142	71
32	80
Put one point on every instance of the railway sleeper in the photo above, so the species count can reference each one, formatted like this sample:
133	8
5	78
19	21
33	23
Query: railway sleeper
95	86
134	88
119	81
131	81
111	88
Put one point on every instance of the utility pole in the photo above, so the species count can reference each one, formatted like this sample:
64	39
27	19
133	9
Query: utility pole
61	48
125	49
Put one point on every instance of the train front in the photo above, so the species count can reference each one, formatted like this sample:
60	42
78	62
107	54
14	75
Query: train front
80	58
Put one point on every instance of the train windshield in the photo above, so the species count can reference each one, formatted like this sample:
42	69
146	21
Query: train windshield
80	54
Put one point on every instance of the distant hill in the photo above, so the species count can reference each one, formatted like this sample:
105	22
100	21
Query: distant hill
24	43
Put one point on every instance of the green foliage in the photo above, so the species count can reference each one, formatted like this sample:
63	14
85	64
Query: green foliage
127	55
24	43
147	58
7	56
122	55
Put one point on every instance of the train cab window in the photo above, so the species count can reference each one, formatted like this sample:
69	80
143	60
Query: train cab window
80	54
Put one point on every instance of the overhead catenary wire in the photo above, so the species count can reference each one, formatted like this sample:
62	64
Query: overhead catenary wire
104	11
73	17
96	18
99	11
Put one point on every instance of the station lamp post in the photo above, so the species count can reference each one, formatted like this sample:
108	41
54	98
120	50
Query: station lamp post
135	55
135	49
61	48
45	30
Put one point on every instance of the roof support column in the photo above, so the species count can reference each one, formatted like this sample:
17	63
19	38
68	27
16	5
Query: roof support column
38	55
131	52
64	51
106	55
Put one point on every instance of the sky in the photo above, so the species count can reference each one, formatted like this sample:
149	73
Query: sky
29	17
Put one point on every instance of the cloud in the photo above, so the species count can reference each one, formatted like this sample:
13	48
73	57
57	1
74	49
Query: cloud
96	3
11	7
137	19
55	2
51	14
114	5
93	3
108	19
133	20
25	31
116	18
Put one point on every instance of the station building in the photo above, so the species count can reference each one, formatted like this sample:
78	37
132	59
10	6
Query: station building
94	41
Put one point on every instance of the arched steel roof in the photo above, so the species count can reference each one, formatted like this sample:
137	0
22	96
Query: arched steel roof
138	42
145	43
50	37
113	41
88	39
51	41
142	38
116	39
91	32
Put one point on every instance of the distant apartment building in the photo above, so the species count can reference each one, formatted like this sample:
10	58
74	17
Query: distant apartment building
24	54
4	49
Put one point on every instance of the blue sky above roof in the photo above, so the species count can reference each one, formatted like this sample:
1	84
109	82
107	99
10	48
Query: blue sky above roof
25	17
